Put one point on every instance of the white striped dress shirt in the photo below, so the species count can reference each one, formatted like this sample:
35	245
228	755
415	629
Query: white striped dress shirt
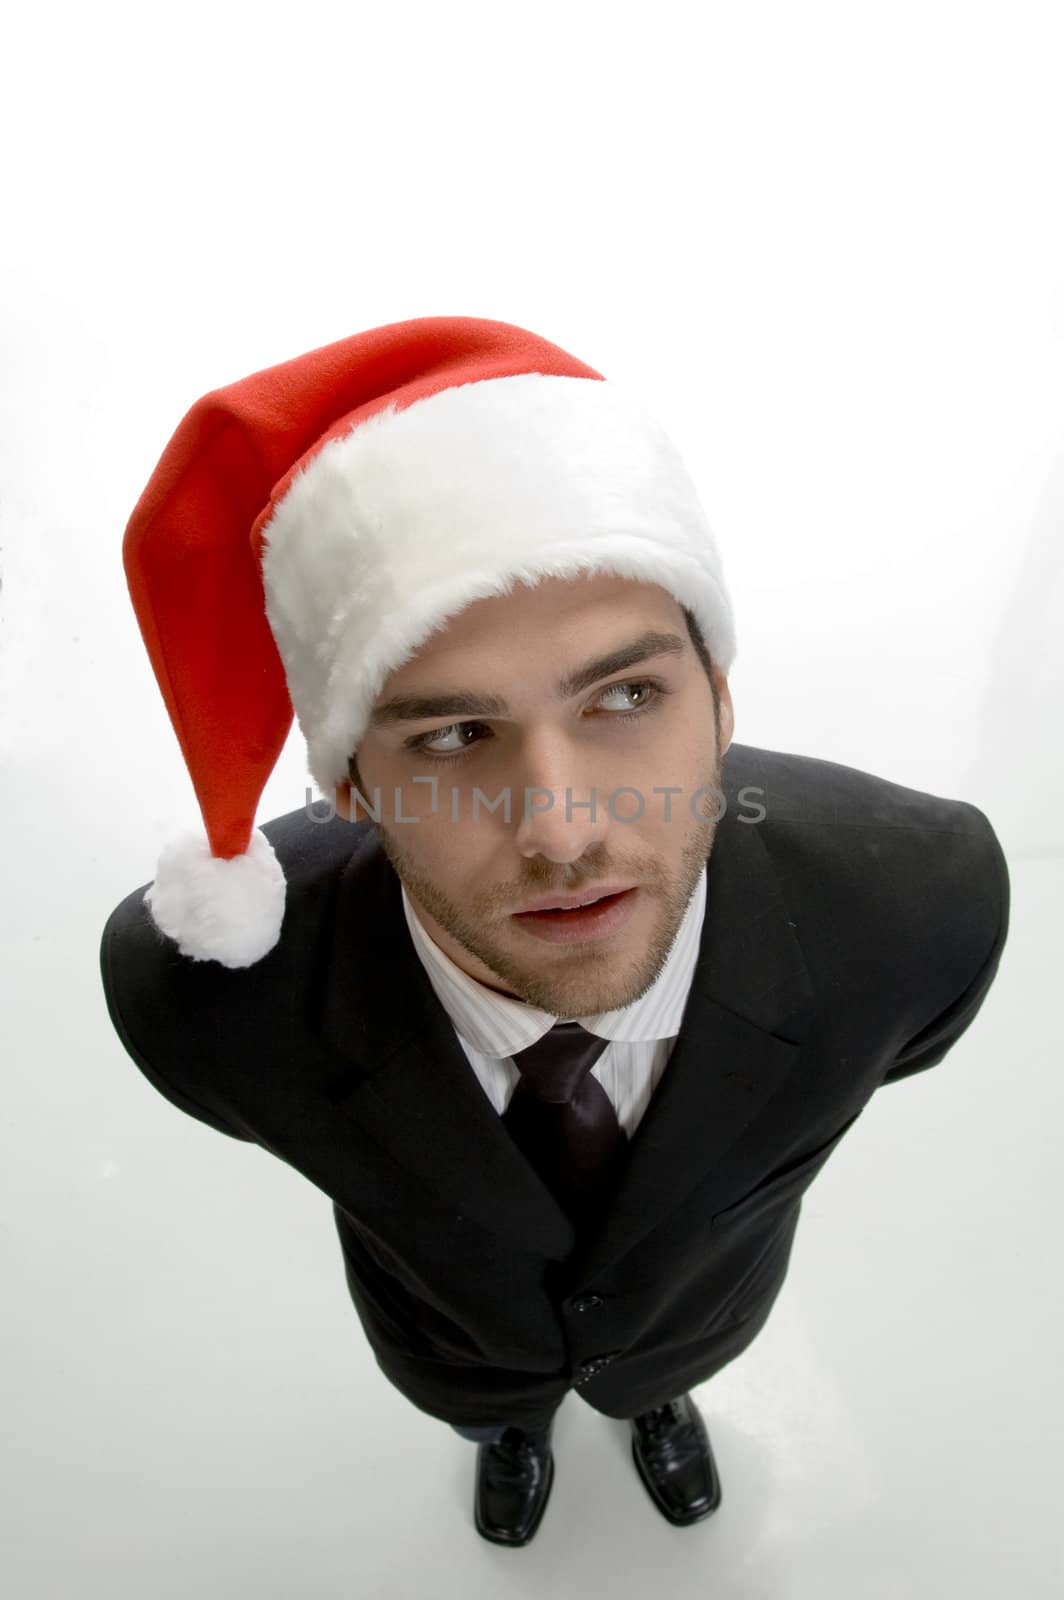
492	1027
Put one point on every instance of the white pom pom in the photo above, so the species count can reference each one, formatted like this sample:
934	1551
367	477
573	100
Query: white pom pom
228	911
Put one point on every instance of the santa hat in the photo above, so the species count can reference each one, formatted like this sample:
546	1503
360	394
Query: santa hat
307	528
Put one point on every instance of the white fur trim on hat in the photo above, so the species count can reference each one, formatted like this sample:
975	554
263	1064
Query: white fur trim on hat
400	524
219	910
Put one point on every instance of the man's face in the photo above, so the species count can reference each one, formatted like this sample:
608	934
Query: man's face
644	727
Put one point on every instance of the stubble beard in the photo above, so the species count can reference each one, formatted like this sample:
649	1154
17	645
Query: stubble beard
581	979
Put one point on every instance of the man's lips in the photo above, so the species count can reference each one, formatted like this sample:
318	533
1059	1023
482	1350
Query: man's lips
581	897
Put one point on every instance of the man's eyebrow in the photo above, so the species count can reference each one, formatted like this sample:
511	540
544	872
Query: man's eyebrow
462	703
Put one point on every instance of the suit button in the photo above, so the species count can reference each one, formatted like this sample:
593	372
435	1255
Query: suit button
594	1364
587	1302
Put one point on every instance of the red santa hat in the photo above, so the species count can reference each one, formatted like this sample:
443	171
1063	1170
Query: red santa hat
307	528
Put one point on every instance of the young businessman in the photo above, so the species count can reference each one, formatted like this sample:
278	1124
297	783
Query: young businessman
567	998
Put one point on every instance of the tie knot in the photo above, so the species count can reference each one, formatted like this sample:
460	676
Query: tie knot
556	1065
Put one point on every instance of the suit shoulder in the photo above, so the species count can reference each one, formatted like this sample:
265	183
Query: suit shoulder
311	854
175	1015
928	869
809	789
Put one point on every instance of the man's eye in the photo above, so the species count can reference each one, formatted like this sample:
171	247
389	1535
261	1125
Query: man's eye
650	689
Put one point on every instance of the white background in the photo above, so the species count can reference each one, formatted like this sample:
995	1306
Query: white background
825	241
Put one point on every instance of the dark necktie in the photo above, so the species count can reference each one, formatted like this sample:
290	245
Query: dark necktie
563	1121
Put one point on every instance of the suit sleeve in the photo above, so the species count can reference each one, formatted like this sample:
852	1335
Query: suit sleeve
927	1048
110	972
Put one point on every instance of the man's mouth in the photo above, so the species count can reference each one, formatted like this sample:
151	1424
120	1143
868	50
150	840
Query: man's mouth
576	901
603	915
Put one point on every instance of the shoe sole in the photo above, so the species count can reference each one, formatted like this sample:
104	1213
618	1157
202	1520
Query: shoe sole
520	1539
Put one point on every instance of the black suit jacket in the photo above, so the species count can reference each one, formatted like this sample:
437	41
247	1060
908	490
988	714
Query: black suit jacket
851	932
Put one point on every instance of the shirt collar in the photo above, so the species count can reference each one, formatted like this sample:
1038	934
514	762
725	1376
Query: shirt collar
496	1025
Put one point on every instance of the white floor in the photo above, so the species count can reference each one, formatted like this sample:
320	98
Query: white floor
190	1408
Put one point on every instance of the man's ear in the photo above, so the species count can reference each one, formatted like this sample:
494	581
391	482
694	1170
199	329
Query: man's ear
355	811
342	799
727	714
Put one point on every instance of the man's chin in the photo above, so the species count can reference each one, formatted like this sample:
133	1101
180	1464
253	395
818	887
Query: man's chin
582	979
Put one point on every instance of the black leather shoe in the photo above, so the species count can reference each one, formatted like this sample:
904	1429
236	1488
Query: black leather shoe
514	1477
671	1451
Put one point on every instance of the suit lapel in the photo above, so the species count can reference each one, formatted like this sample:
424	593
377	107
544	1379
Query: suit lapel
406	1081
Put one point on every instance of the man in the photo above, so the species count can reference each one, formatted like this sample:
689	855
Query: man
566	1148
